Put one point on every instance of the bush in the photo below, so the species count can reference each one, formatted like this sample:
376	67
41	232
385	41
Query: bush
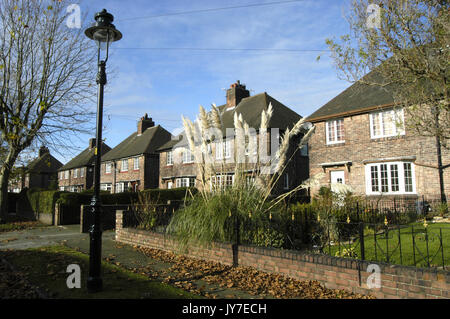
42	201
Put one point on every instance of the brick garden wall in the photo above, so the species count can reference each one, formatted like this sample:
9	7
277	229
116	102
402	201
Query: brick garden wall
333	272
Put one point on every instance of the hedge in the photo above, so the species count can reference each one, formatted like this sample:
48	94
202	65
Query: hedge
125	198
42	201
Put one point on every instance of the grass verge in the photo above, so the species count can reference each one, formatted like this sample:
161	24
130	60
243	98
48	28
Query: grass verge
46	269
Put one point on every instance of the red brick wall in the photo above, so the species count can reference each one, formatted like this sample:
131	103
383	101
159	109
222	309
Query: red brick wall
333	272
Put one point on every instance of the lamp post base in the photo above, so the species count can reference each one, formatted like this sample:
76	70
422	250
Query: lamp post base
94	284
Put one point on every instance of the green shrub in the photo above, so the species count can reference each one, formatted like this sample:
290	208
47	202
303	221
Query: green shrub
42	201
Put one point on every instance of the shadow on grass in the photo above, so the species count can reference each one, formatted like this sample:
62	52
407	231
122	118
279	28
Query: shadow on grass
46	268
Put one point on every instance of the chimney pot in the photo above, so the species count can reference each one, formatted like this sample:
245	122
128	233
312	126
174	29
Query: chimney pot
92	143
144	124
236	93
43	150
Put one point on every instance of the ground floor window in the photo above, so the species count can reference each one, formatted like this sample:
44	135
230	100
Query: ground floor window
390	178
185	182
106	187
221	181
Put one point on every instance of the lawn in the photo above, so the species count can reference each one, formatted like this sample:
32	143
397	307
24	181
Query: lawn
398	246
46	268
19	225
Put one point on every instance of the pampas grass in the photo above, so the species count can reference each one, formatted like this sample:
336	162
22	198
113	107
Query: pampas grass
206	217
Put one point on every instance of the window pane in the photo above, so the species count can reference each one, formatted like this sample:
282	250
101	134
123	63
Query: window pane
376	125
388	123
384	178
331	131
374	178
340	130
394	178
408	177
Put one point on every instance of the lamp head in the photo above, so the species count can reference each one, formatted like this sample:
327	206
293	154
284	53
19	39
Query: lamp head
103	31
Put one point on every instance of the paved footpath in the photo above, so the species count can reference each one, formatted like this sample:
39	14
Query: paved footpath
123	254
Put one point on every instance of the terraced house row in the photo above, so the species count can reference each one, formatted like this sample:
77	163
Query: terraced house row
360	140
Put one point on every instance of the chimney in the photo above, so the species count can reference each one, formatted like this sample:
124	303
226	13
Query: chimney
43	150
236	93
92	143
144	123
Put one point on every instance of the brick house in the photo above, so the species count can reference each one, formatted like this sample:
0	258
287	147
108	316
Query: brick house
39	173
361	140
134	163
177	164
78	174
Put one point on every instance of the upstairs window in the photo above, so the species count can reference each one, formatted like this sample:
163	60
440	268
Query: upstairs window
188	157
82	172
169	158
124	165
136	163
75	173
66	174
223	149
108	168
335	131
387	123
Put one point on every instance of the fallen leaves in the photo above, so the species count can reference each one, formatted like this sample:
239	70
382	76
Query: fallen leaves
185	271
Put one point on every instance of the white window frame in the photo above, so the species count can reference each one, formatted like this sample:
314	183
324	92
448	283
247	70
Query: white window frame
400	178
227	149
327	129
124	168
82	172
169	158
75	173
136	163
187	156
108	167
396	114
66	174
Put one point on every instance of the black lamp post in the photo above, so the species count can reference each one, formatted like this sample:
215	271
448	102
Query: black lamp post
103	32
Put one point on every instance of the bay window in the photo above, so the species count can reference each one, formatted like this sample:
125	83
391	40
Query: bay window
390	178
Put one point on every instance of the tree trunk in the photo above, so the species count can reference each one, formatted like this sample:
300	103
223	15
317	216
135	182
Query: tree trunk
4	177
5	172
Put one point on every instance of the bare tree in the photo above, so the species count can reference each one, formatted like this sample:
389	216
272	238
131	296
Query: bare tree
402	46
46	77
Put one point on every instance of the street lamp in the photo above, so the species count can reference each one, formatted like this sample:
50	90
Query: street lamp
103	32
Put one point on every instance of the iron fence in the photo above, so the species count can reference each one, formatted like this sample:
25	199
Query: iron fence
394	231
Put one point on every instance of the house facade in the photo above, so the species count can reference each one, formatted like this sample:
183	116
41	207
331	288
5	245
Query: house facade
361	140
41	172
78	174
178	167
133	165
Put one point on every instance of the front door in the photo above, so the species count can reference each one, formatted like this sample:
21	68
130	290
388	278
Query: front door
337	177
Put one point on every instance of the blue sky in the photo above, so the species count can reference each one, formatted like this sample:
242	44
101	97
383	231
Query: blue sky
169	83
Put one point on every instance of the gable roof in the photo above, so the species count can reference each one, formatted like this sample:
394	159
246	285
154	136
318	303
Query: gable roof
251	109
44	164
356	99
85	158
177	141
146	143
